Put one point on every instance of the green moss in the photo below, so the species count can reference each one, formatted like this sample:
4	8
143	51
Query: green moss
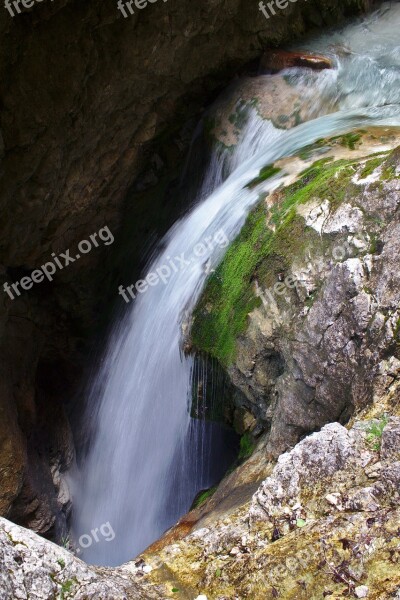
315	168
349	140
203	496
319	146
229	291
247	446
266	173
322	181
265	247
370	167
389	167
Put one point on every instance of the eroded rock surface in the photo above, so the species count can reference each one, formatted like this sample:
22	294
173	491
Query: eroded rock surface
31	567
324	524
313	334
84	93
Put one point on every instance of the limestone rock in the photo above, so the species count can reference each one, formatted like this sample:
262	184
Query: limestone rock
318	456
31	567
327	346
390	447
76	132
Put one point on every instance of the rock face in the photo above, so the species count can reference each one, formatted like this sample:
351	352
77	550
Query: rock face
313	334
31	567
324	524
84	93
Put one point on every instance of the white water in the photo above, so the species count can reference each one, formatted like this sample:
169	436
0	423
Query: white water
144	466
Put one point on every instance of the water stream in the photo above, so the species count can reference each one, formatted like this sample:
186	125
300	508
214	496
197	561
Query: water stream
148	457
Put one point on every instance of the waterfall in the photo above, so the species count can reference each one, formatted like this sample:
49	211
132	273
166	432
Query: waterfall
148	457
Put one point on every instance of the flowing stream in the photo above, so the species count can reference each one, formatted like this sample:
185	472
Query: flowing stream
148	458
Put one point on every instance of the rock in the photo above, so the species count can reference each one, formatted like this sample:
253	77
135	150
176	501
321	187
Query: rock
390	446
340	279
263	533
31	567
361	591
65	175
362	500
317	457
325	545
273	61
335	499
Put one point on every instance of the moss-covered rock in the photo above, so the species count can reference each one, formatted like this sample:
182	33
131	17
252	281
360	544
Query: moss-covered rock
308	271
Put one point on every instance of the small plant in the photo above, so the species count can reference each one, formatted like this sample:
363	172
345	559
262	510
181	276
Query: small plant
61	562
66	587
375	431
301	523
66	542
246	446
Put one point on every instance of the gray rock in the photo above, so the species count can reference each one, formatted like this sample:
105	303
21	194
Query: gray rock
390	447
32	567
315	458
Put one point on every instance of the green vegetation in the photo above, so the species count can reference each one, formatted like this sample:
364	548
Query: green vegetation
66	542
203	496
370	167
349	140
266	246
375	431
318	147
247	446
301	523
61	562
66	587
266	173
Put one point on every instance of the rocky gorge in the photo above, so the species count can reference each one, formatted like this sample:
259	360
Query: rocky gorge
300	314
119	128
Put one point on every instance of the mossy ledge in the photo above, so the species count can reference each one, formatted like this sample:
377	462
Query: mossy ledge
274	233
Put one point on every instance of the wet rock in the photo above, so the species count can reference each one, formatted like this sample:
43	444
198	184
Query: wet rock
343	278
274	61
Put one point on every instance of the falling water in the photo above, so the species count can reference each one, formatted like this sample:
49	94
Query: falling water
149	458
